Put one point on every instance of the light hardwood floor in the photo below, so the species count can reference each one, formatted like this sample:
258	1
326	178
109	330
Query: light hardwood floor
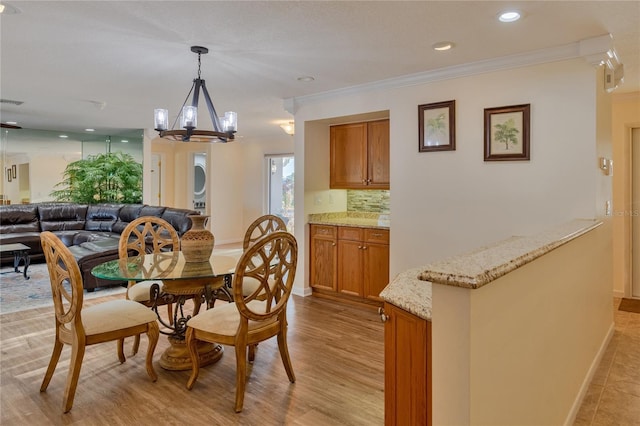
337	354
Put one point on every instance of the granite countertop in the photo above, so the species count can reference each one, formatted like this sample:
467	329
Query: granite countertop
480	267
411	290
359	219
408	292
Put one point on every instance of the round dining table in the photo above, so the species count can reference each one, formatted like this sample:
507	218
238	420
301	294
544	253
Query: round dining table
201	282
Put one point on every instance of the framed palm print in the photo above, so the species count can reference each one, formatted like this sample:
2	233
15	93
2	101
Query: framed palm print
437	126
506	133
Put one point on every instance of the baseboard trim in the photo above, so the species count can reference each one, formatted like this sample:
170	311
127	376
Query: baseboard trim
571	417
618	293
304	292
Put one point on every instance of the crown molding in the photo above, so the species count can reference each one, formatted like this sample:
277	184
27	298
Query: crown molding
587	49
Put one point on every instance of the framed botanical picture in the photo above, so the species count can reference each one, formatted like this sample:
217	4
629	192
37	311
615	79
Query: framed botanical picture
437	126
13	171
506	133
8	174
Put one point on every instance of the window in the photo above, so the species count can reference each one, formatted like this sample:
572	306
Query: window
280	178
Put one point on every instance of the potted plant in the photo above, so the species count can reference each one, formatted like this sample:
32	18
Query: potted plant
102	178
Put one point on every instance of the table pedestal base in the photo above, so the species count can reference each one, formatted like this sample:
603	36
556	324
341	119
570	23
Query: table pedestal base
176	357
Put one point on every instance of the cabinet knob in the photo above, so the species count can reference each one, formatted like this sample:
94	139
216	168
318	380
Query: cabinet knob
383	316
333	244
364	247
360	247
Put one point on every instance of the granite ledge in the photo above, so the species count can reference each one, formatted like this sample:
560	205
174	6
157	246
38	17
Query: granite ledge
480	267
359	219
407	292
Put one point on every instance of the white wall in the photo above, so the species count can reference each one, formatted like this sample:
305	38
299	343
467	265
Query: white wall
523	348
235	179
445	203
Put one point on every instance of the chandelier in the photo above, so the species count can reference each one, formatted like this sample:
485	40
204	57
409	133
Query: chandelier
224	128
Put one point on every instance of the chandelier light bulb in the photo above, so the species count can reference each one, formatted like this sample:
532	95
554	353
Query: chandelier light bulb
160	119
230	121
189	118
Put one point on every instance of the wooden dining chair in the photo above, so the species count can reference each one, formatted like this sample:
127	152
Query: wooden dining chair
248	320
81	326
145	235
260	227
264	225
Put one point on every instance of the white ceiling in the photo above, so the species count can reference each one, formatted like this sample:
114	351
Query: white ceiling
108	64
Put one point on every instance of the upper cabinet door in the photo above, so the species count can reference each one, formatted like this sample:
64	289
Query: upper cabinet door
378	154
360	155
348	156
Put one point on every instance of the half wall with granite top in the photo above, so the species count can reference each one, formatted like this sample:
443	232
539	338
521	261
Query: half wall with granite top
518	327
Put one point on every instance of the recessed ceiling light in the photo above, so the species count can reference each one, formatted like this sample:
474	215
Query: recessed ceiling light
306	78
89	130
13	123
63	136
442	45
509	16
124	141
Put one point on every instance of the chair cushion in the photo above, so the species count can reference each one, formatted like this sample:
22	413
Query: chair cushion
115	315
225	319
250	284
141	291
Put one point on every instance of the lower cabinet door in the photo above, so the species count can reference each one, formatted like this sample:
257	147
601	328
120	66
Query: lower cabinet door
350	264
407	368
376	270
323	264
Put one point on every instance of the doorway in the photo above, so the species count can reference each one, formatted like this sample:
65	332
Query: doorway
157	183
200	182
280	178
635	213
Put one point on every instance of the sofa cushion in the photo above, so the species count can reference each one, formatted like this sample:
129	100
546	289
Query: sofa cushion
62	216
178	219
90	236
67	237
152	211
101	245
19	218
85	255
102	217
127	213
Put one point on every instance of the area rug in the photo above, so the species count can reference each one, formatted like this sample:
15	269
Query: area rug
630	305
18	294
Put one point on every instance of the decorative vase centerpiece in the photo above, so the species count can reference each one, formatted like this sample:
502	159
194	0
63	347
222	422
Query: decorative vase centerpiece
197	243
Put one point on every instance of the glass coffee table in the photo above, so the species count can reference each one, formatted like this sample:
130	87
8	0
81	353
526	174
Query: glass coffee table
20	253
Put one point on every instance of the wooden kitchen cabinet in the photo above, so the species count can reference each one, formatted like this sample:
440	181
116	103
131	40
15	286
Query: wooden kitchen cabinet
360	155
407	368
363	261
376	262
349	263
323	257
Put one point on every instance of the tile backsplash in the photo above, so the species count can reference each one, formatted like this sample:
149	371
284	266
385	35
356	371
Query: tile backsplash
375	201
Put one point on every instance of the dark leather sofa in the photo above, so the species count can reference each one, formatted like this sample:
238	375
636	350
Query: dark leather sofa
90	231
